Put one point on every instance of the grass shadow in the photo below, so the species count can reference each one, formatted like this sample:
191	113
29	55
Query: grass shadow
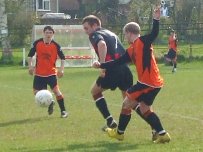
102	146
24	121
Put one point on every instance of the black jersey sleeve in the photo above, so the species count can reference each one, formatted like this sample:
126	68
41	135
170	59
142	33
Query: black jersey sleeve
61	54
122	60
32	50
59	51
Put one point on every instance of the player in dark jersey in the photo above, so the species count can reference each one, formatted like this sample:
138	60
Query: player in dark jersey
107	47
45	71
142	94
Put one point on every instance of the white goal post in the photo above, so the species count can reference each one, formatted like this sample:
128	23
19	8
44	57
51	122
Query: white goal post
74	42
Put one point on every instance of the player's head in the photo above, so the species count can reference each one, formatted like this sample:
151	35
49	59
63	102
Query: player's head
172	31
48	33
131	31
91	23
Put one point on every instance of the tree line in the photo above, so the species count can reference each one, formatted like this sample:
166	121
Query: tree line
185	16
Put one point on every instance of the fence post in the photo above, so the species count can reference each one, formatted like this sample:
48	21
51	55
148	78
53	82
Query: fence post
190	54
24	60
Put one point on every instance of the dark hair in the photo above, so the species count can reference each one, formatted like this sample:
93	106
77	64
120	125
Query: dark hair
48	28
91	20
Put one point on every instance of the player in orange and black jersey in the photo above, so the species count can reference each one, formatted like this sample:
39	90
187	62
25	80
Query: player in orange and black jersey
141	95
107	47
45	72
172	52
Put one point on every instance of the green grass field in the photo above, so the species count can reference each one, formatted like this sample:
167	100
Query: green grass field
24	127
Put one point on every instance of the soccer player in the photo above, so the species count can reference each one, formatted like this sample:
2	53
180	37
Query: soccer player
45	72
172	52
107	47
149	81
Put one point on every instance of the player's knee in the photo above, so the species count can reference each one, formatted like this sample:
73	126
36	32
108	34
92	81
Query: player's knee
147	113
56	91
59	97
35	91
97	96
126	111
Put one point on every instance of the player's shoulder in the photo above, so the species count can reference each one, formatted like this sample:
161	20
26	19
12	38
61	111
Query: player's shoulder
55	43
95	36
37	41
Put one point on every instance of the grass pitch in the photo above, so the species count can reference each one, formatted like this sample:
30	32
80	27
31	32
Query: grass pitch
24	127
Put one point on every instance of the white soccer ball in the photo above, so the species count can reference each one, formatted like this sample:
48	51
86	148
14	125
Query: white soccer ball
43	98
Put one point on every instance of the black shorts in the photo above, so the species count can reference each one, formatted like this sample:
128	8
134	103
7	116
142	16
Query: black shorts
143	93
171	54
40	83
120	77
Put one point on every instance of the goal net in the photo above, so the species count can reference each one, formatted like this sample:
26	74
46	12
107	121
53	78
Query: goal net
74	43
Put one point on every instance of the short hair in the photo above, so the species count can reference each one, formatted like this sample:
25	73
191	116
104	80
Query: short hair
132	27
48	28
91	20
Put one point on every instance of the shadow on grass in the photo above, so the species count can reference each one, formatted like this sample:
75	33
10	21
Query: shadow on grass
102	146
24	121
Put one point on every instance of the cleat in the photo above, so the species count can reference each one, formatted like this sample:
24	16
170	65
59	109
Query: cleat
64	114
162	138
114	134
154	136
51	108
111	125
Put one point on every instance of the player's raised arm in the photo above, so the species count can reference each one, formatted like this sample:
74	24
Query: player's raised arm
157	13
155	29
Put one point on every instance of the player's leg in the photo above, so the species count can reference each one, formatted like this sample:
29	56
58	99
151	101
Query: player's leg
125	80
174	64
52	81
138	111
136	108
101	104
39	83
151	117
124	119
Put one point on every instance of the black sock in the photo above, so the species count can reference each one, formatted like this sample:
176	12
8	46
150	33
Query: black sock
175	65
61	104
137	110
123	122
154	121
102	106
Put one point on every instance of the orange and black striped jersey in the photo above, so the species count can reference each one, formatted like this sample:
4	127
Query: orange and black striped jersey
46	56
172	43
141	54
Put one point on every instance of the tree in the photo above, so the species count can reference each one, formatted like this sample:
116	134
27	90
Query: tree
7	51
108	9
141	11
20	21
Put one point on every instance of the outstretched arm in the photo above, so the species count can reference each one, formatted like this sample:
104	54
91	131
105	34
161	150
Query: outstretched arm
122	60
155	29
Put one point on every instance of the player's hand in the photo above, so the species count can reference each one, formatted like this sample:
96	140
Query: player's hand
60	73
157	13
96	65
31	70
102	73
